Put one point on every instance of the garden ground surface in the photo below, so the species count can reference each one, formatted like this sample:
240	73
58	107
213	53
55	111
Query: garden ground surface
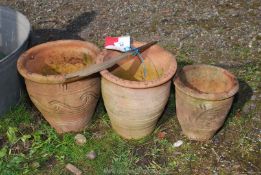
223	33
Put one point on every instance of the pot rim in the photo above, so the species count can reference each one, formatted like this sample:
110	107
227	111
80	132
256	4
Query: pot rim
138	84
49	79
207	96
27	23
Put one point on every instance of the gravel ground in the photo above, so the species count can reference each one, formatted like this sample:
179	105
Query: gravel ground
221	32
208	31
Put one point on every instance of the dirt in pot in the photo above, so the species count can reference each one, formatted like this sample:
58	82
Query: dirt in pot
67	64
47	70
132	69
55	64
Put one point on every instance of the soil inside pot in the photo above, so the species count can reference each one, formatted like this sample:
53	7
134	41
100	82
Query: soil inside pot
132	69
59	62
65	66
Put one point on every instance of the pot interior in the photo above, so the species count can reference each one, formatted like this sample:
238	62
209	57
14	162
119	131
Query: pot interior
59	60
207	79
155	65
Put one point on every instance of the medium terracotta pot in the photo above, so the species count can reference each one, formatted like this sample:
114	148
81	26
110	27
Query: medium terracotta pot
133	104
66	106
204	95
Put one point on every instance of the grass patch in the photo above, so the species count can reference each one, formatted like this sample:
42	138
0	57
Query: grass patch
31	148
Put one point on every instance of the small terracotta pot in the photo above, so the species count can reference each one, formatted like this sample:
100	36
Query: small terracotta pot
134	105
66	106
204	95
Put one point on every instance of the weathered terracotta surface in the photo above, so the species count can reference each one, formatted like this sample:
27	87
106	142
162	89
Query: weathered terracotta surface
204	95
67	107
133	104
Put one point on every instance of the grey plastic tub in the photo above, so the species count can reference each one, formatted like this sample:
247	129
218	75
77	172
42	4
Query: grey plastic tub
14	36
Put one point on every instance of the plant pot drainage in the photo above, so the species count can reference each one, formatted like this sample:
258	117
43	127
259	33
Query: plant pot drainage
66	106
204	95
134	103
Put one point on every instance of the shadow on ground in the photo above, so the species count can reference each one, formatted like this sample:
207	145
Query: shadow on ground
245	91
244	94
69	32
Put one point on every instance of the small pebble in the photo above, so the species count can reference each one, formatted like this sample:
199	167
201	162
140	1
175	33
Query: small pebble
73	169
80	139
177	153
91	155
178	143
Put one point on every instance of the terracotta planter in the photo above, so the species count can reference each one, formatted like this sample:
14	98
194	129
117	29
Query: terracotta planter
67	107
133	104
204	95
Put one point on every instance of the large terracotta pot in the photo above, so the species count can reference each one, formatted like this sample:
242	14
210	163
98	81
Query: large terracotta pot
66	106
134	105
204	95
